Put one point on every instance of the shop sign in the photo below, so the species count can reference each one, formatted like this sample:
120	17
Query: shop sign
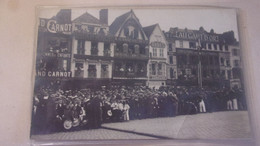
57	74
59	55
54	27
197	36
157	44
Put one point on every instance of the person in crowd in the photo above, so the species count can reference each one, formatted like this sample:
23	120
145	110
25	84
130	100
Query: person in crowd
126	108
229	100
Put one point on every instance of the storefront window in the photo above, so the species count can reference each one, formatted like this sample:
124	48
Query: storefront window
79	70
104	71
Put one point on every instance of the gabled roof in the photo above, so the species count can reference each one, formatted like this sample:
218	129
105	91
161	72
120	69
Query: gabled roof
149	30
114	27
87	18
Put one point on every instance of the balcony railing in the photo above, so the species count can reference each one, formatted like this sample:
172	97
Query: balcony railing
129	74
130	55
104	74
79	74
107	53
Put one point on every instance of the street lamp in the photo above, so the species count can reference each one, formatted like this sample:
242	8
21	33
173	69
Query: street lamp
199	64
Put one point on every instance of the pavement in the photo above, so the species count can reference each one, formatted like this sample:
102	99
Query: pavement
226	125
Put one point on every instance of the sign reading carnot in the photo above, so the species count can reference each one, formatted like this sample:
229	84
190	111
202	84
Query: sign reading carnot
65	74
54	27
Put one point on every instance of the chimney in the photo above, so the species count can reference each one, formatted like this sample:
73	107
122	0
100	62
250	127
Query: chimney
64	16
103	16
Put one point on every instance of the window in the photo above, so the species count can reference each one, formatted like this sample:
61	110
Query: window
229	74
203	45
159	69
137	49
228	62
235	52
221	47
81	47
107	49
130	67
91	29
125	48
65	65
171	73
142	50
236	63
209	46
181	44
161	52
104	71
94	48
192	44
222	61
79	71
153	69
171	59
226	47
154	52
215	46
92	71
170	46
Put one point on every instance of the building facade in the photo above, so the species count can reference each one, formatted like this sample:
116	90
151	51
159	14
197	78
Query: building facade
131	51
236	65
209	48
54	49
88	52
92	49
157	56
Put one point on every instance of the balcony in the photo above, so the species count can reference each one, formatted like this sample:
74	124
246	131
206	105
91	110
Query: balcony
104	74
131	56
129	74
79	73
107	53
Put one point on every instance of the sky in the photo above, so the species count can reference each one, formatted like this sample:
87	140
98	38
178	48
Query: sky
220	20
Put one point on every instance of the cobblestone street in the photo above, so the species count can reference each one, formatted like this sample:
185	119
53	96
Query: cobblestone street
219	125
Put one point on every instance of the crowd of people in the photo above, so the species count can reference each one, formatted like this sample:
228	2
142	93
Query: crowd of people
92	107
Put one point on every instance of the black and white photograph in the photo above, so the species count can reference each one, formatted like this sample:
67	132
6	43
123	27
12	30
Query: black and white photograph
138	73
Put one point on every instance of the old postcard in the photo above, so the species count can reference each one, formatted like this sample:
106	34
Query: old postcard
138	73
